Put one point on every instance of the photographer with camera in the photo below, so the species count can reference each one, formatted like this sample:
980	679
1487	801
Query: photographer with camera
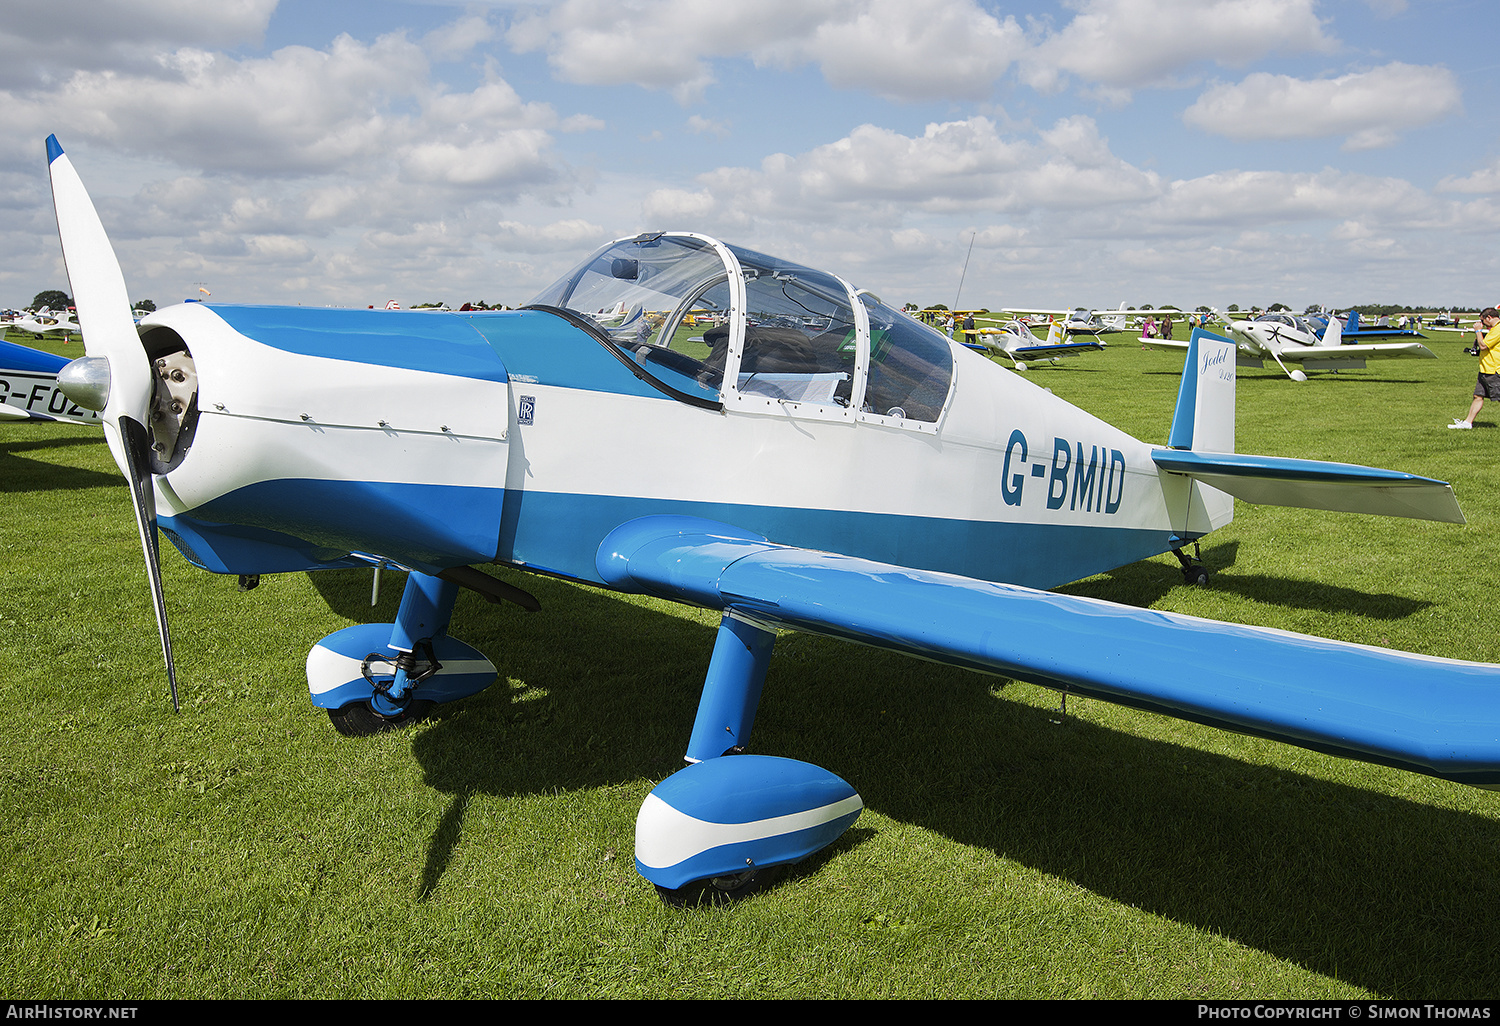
1487	348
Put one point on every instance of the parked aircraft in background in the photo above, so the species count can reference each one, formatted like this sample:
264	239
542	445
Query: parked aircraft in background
1288	339
28	387
1085	321
46	322
816	462
1354	328
1014	340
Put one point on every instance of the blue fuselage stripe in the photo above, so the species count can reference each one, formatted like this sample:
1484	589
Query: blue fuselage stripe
434	526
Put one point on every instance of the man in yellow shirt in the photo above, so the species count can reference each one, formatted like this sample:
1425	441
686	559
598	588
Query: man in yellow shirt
1487	341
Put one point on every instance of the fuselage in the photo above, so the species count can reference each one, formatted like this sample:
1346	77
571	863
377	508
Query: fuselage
330	437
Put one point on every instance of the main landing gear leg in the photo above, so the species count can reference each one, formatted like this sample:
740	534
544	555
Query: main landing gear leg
731	691
426	607
373	677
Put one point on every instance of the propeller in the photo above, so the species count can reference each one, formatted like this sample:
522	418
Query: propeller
116	369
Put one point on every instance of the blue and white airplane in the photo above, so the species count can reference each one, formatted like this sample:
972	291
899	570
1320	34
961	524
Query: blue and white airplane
763	440
1014	341
28	387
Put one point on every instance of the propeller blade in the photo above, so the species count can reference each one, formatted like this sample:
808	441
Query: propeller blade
137	446
99	292
109	332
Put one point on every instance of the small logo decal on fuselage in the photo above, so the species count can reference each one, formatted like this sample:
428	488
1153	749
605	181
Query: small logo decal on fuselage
526	411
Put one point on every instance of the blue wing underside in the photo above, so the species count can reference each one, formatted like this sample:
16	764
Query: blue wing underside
1429	715
1061	349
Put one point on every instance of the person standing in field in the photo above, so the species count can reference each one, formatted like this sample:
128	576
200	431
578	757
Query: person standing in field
1487	342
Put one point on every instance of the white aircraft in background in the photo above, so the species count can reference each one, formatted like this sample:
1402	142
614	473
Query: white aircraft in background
46	322
1014	341
1454	325
1289	339
1085	321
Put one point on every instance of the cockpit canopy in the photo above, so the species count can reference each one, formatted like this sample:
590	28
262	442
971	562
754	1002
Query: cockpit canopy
728	324
1287	320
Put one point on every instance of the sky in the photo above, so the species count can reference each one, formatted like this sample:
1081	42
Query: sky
965	152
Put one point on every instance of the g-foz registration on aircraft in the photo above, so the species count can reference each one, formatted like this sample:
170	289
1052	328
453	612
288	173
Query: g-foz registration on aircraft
813	460
28	387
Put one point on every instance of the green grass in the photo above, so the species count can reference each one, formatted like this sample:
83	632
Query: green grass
243	849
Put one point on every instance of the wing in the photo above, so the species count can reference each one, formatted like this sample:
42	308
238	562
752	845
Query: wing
1042	352
1435	716
1362	351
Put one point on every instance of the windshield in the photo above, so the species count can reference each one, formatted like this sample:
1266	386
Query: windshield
655	297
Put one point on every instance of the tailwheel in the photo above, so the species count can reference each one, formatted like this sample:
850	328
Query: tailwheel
357	719
1193	570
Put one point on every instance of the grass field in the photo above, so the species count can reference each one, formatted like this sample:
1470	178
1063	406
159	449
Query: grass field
244	849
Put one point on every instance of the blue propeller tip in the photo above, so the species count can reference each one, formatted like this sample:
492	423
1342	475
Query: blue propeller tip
54	148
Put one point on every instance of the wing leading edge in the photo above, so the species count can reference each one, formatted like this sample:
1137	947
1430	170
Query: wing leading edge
1435	716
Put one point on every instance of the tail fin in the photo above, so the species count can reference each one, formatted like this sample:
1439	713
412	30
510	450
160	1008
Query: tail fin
1333	335
1204	420
1055	334
1353	324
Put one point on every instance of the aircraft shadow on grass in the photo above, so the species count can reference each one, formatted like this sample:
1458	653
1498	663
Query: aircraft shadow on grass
1322	377
20	474
1141	584
1379	892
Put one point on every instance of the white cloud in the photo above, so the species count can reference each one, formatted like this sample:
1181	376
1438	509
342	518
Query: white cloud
302	112
1485	180
876	175
699	125
574	235
659	44
906	49
1369	107
1128	44
38	37
1266	198
902	49
574	123
459	37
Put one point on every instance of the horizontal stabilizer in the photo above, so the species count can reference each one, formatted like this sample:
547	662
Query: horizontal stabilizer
1312	484
1436	716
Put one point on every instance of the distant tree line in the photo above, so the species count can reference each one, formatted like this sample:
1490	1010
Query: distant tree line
52	299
